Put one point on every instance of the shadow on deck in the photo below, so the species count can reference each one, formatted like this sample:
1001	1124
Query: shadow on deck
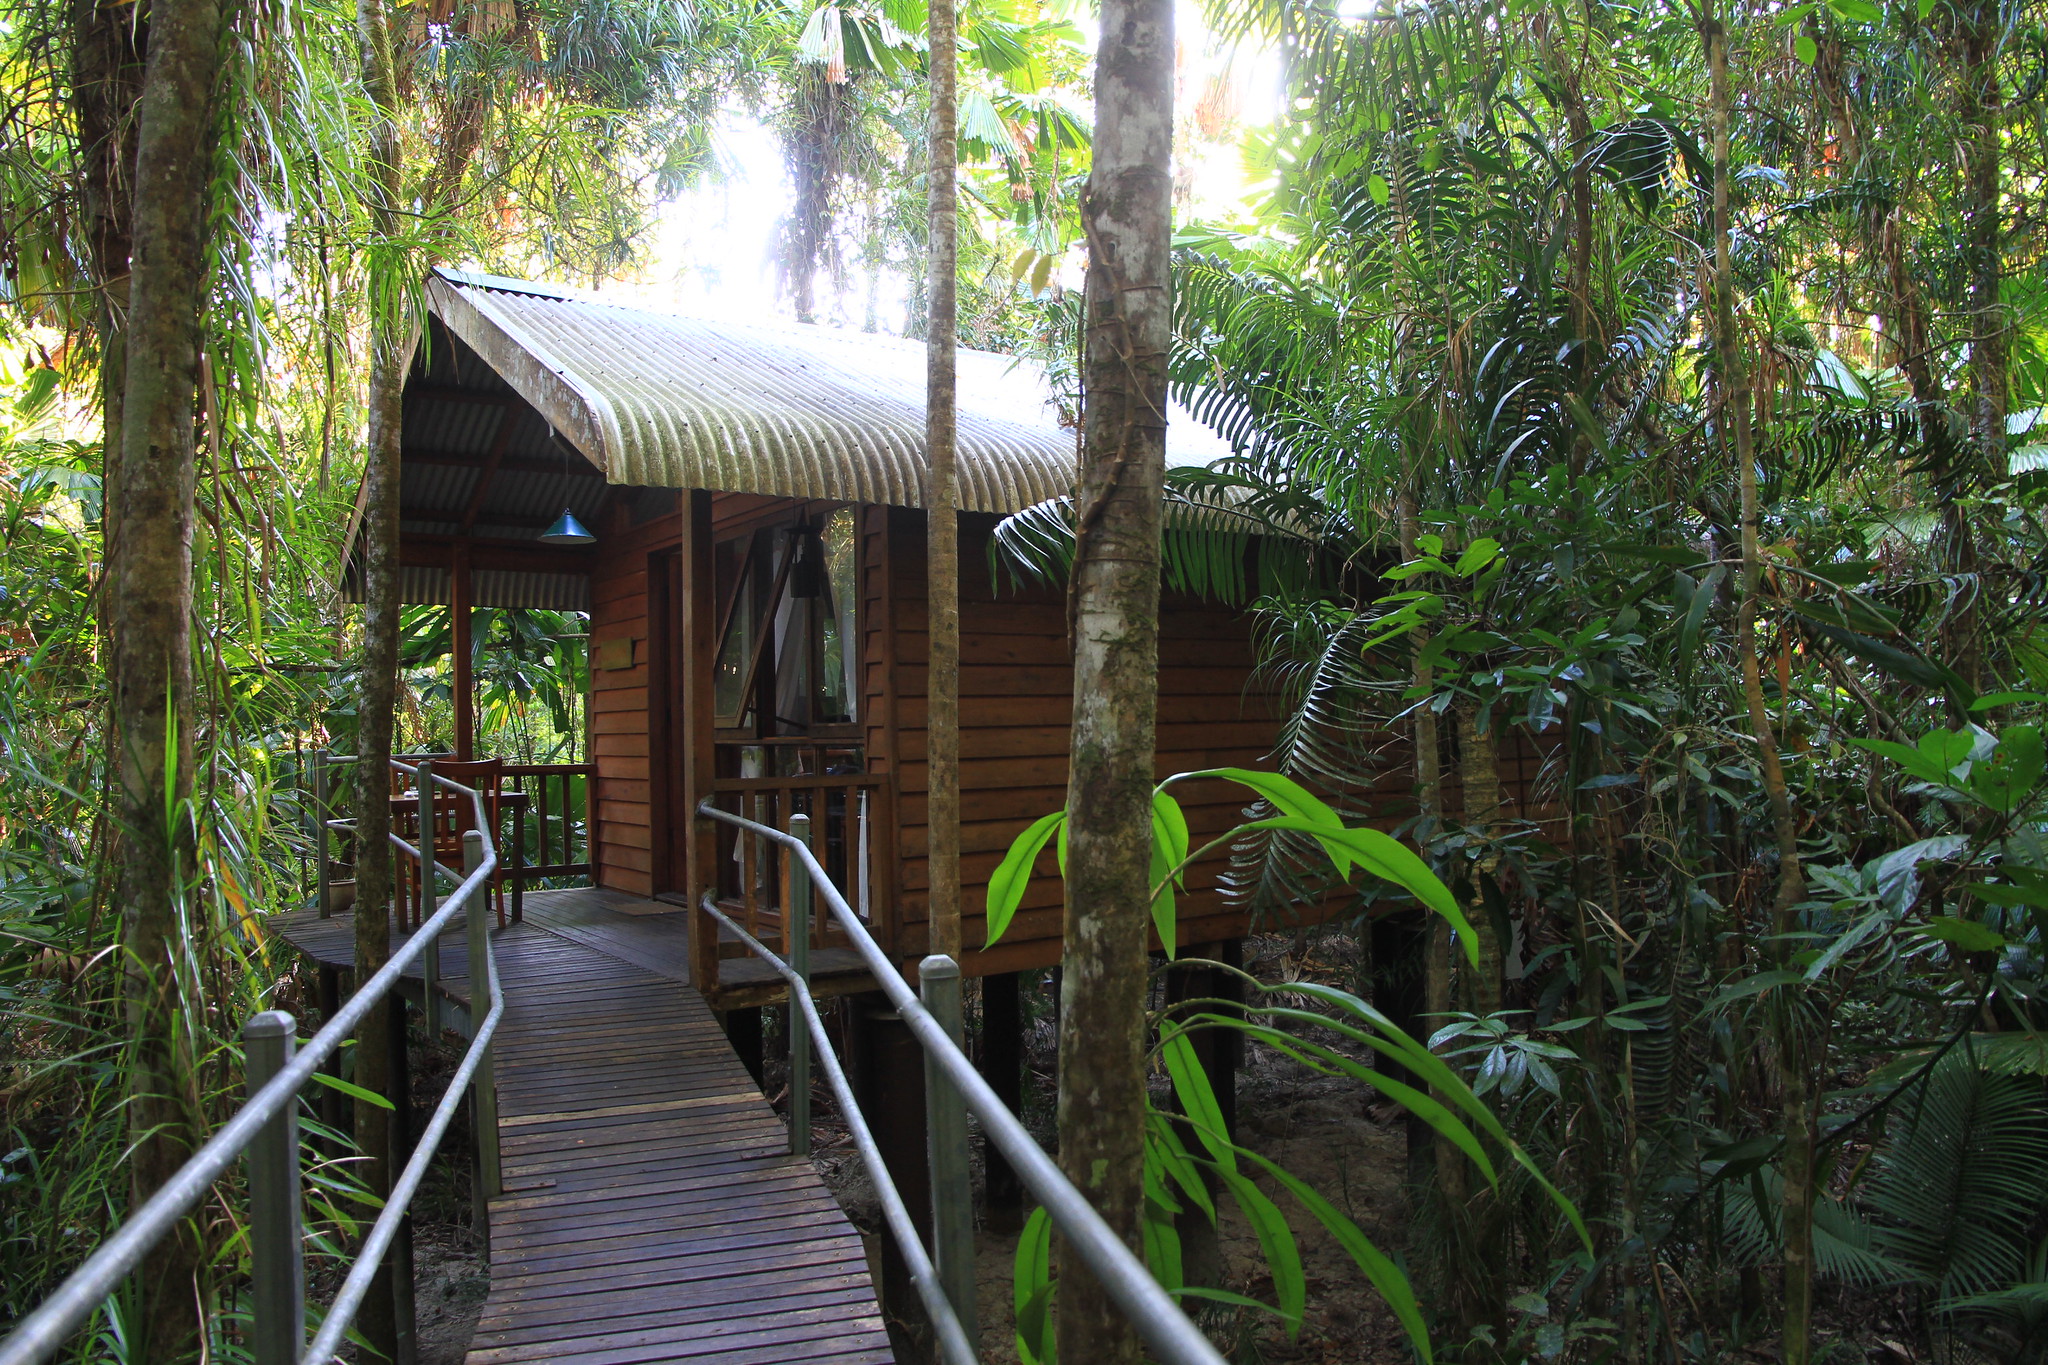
651	1210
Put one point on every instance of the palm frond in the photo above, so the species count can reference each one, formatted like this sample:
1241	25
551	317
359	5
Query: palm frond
1962	1176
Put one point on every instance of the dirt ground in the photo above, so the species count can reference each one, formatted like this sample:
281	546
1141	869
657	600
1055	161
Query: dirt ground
1318	1128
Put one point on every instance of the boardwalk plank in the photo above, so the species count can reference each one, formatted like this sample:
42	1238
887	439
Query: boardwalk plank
651	1211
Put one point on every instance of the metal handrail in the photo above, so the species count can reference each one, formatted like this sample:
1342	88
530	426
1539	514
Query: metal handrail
1167	1331
953	1344
269	1111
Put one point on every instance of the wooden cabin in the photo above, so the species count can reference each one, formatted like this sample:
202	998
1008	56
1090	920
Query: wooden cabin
756	590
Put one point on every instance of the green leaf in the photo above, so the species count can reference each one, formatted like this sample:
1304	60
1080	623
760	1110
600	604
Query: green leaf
1197	1100
2005	779
1032	1289
1993	893
353	1091
1477	556
1902	663
1376	186
1388	859
1007	883
1696	616
1915	761
1755	984
1385	1276
1162	1251
1170	827
1189	1291
1993	700
1416	1102
1170	841
1966	934
1805	49
1283	794
1947	749
1164	1147
1857	11
1276	1243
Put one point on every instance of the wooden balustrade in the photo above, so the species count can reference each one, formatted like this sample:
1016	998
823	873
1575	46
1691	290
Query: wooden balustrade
555	806
847	824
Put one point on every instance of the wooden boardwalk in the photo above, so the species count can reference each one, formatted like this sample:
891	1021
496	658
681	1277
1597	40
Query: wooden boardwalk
651	1210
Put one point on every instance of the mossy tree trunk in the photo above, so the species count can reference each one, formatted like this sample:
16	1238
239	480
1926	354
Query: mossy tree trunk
151	498
942	596
389	355
1114	608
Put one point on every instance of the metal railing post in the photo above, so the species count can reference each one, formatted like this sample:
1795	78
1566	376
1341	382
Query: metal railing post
938	983
430	897
272	1109
276	1249
323	870
484	1089
799	1031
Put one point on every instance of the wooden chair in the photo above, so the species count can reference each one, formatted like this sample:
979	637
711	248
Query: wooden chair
453	816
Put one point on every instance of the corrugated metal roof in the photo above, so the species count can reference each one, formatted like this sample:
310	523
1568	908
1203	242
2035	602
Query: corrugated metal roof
422	585
654	399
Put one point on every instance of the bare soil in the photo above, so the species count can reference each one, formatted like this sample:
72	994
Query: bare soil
1319	1128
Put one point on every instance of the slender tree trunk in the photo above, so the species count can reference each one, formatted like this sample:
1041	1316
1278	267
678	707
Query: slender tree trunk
1564	69
1127	215
1732	408
1479	771
108	42
1983	120
389	355
942	596
152	632
1475	1215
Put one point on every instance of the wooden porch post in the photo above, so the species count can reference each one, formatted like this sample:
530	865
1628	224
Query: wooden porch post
464	685
695	743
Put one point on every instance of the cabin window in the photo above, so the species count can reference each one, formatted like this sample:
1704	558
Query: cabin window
788	652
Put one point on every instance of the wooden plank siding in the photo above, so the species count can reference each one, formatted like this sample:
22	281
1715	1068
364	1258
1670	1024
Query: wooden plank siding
1015	709
620	731
1016	698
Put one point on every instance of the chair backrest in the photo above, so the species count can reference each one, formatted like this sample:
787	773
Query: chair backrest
453	814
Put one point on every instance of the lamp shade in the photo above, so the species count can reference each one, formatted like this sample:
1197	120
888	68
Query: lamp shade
567	531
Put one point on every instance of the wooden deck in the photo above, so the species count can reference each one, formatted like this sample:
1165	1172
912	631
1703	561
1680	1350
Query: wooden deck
651	1211
652	934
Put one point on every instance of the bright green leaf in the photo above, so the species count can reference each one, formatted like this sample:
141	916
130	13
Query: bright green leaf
1006	885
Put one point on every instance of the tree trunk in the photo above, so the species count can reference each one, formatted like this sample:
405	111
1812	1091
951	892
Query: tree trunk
1732	408
389	355
108	43
1982	117
151	671
1126	213
1479	771
942	594
1578	192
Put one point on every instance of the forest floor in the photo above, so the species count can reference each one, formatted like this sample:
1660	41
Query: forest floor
1324	1130
1320	1128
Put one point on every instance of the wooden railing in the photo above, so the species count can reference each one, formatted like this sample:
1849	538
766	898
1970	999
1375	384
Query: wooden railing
549	805
847	825
552	829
